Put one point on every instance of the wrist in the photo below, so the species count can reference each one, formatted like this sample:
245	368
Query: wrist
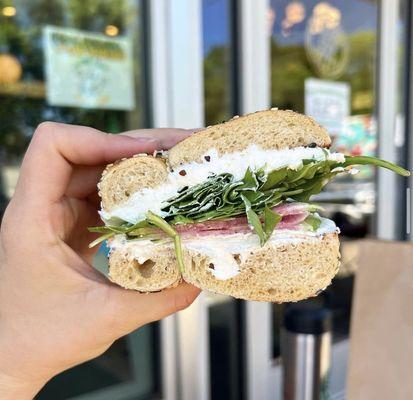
14	388
16	381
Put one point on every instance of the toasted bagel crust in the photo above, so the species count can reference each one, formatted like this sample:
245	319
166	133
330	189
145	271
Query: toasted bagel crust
276	272
271	129
122	179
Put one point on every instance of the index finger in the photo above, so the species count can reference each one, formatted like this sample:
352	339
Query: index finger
167	137
47	166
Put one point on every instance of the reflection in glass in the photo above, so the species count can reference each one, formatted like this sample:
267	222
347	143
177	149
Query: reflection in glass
226	348
22	81
315	45
217	60
326	40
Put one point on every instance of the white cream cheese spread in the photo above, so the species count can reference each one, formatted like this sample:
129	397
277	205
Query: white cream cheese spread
153	199
224	252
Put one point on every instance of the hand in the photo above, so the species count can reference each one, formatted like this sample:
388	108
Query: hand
56	310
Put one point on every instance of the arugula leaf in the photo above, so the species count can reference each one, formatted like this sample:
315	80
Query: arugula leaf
100	229
294	176
273	178
254	220
250	181
220	196
101	239
171	232
313	222
270	217
271	220
366	160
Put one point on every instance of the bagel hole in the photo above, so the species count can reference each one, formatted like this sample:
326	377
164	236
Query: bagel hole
145	269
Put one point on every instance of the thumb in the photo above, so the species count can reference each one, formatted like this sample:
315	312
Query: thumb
133	309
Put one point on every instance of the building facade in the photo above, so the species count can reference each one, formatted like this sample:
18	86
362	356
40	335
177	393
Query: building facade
125	64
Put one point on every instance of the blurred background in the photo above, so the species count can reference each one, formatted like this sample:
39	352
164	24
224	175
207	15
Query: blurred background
124	64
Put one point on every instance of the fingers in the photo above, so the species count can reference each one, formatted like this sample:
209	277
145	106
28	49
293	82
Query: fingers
166	137
84	179
133	309
55	148
47	165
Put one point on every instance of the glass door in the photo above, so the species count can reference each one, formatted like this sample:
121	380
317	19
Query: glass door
323	63
59	61
224	312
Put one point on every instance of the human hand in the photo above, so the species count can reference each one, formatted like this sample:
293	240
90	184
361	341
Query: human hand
56	310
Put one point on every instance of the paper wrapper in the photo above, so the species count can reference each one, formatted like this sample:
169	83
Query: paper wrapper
381	345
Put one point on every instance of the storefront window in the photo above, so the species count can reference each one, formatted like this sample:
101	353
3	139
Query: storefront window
323	63
32	89
59	61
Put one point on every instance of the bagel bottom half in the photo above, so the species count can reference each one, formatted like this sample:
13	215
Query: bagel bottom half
277	272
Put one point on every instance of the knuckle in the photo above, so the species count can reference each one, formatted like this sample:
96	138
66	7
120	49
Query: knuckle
44	130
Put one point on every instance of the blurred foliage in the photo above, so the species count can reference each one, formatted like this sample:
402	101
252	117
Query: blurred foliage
290	68
94	15
217	85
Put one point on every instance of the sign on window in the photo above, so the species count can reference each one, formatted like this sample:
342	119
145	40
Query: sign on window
88	70
328	102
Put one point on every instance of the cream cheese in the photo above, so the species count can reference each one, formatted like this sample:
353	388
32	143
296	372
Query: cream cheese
224	252
153	199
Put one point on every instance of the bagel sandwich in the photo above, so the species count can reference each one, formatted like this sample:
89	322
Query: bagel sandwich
228	210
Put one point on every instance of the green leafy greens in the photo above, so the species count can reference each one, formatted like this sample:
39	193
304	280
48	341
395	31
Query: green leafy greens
256	194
